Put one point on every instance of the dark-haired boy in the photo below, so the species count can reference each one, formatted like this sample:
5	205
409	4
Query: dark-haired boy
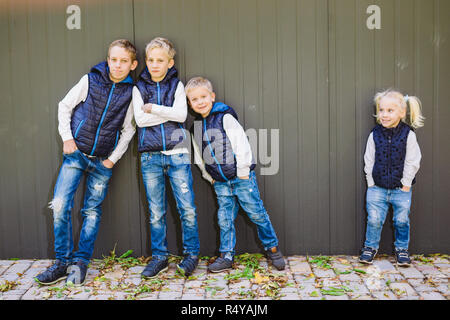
96	126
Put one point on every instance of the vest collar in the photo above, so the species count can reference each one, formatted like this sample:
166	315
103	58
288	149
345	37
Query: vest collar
145	75
220	107
103	69
392	131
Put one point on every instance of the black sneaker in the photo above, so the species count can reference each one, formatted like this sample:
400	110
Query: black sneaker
188	265
276	257
53	274
220	264
403	258
367	255
155	267
77	274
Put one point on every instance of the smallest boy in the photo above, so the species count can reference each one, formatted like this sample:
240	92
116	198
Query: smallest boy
227	164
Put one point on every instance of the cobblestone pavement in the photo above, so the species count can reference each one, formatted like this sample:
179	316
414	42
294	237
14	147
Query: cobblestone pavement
338	277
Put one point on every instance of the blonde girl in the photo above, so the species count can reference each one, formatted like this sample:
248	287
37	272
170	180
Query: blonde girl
391	161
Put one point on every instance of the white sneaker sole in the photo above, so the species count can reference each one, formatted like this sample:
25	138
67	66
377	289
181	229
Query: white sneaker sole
405	264
221	270
49	283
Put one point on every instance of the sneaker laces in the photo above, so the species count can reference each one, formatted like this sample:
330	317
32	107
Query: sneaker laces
275	255
367	252
222	260
54	266
152	266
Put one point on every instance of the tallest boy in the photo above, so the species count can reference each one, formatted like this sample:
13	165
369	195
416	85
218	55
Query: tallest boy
95	124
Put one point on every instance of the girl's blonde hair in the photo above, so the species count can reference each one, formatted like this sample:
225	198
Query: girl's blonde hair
415	106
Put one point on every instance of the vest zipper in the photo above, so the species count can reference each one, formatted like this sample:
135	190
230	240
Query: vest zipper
212	151
162	126
79	127
142	136
117	139
389	163
103	118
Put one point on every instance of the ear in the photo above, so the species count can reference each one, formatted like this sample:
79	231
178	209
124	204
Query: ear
171	63
213	96
134	65
403	112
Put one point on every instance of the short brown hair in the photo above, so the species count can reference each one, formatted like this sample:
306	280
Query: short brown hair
127	45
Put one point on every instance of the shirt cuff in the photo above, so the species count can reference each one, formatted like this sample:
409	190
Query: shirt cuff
113	159
370	181
243	172
406	182
66	137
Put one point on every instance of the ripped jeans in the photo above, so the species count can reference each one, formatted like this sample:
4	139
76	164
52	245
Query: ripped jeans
73	167
377	204
154	167
245	193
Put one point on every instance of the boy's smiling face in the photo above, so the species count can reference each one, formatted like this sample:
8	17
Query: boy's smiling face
120	63
201	100
158	63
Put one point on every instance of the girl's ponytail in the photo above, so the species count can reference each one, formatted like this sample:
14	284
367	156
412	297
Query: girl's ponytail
415	112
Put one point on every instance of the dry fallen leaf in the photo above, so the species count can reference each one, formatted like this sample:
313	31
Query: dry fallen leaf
259	278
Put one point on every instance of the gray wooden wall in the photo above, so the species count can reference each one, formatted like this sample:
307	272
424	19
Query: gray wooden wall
309	68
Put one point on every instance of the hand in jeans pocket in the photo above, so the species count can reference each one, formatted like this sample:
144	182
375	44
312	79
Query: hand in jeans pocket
108	164
405	189
69	146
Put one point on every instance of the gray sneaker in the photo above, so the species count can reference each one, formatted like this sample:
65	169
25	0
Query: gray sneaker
155	267
188	265
402	257
77	274
53	274
367	255
221	264
276	257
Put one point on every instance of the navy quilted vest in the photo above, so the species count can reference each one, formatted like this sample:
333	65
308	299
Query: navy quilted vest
217	153
170	134
96	122
390	152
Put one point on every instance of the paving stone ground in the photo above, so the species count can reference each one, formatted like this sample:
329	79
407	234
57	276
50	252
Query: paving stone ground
338	277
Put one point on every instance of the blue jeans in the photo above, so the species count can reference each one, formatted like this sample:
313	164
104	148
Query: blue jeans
246	193
377	204
73	167
154	167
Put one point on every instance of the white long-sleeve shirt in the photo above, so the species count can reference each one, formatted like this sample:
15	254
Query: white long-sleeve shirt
78	94
412	160
161	114
239	143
